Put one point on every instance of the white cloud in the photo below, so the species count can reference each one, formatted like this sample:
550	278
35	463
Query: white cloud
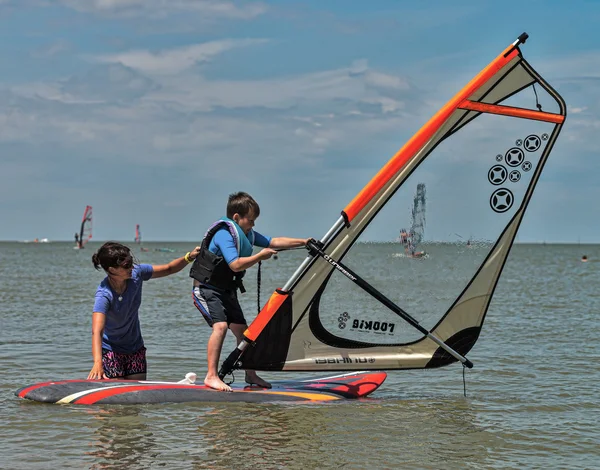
167	121
174	61
576	110
214	9
337	90
383	80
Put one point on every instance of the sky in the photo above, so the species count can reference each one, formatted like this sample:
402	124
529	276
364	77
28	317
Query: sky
154	111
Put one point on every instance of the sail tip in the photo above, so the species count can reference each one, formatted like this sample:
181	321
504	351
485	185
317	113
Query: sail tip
520	40
523	37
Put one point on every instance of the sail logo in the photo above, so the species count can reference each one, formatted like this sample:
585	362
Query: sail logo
371	326
342	319
345	360
338	267
502	199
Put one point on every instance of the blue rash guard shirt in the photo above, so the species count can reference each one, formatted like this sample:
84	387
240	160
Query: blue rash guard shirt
122	332
224	245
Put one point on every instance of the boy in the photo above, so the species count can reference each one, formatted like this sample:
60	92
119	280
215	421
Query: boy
225	255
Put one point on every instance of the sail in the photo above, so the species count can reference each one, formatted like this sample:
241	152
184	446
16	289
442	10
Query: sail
85	231
417	229
480	157
138	234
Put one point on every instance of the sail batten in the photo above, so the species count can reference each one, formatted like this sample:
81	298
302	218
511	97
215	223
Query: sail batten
511	111
481	156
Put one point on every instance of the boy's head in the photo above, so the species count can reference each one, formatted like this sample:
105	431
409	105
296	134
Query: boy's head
242	208
242	204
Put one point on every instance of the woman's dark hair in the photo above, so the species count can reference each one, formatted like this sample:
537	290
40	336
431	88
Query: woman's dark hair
113	255
243	204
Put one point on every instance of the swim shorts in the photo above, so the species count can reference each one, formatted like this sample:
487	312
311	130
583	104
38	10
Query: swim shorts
121	365
218	306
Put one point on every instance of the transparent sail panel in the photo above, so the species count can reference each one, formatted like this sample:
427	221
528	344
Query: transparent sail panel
474	182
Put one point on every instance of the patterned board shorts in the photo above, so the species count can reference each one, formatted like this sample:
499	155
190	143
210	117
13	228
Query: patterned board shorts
122	365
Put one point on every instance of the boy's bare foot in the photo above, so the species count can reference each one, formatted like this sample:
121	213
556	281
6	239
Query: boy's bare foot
217	384
254	379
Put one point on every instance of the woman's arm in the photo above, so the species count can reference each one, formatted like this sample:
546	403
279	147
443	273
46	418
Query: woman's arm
162	270
98	322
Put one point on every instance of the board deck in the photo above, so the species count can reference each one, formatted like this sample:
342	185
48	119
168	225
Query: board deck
90	392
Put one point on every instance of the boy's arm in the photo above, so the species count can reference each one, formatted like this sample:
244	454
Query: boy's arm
286	242
225	244
241	264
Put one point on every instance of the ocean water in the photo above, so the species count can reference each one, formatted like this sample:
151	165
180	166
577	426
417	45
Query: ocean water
532	399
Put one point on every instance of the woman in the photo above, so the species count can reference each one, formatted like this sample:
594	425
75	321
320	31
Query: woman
117	343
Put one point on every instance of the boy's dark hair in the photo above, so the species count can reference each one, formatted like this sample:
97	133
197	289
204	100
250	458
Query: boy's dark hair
113	255
243	204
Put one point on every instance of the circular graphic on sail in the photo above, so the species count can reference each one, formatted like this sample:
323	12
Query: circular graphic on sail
499	157
501	200
545	136
526	166
342	319
518	142
514	176
532	143
514	156
497	175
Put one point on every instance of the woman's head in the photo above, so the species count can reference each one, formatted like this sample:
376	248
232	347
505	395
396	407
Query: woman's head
115	258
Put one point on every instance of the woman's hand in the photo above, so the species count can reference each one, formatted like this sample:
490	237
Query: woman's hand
97	372
194	253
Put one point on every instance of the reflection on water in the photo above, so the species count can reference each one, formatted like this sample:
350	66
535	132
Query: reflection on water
122	439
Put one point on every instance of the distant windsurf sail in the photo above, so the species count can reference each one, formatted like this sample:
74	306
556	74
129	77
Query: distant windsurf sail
138	234
417	228
481	156
85	231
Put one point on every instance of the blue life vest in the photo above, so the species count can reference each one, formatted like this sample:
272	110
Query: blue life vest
213	270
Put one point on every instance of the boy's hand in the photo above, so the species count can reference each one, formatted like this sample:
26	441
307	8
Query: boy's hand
266	253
